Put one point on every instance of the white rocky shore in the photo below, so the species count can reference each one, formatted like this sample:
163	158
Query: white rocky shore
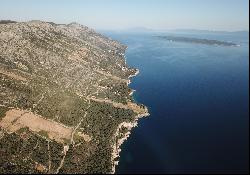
135	74
129	126
120	141
131	76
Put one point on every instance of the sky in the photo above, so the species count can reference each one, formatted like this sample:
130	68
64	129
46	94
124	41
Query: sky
226	15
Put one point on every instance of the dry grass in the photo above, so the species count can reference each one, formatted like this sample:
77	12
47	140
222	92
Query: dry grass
16	119
12	75
132	106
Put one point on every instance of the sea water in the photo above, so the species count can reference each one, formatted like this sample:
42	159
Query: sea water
198	97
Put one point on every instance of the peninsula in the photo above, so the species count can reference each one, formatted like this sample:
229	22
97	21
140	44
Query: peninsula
65	104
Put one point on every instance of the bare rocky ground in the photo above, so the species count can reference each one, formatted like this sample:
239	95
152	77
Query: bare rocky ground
63	96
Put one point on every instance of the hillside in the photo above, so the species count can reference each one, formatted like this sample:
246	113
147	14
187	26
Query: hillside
65	104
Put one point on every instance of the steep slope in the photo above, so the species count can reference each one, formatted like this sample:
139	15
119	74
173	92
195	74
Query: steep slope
65	105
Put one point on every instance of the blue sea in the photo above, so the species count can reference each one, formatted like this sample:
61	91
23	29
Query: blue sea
198	97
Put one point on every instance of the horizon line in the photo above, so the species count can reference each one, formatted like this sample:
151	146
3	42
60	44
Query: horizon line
136	27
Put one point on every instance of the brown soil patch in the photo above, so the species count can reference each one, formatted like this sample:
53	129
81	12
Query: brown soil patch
12	75
112	76
133	106
86	137
80	55
16	119
39	167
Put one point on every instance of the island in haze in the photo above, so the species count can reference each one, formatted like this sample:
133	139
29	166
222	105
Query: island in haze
65	104
196	40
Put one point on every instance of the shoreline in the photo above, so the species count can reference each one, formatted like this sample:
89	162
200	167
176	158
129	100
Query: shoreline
135	74
131	76
129	126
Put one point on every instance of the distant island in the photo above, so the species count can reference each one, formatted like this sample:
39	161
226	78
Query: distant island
6	21
197	40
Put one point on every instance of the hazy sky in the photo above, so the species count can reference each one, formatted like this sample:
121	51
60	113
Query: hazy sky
121	14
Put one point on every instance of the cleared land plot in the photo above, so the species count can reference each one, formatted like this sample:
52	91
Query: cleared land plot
16	119
12	75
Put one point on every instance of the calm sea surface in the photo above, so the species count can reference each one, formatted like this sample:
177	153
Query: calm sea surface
198	96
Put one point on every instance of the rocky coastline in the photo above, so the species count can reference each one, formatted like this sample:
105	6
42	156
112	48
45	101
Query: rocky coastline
118	141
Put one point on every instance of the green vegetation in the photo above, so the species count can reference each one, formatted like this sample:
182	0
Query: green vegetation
53	71
15	154
43	133
22	130
3	111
